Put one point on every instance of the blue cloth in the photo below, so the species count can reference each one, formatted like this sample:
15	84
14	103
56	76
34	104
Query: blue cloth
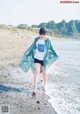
41	47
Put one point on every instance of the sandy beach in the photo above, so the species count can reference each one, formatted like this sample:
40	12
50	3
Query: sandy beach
16	87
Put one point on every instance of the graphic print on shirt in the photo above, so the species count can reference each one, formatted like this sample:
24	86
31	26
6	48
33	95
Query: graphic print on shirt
41	47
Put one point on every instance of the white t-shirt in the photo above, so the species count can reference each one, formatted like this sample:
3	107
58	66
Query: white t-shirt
40	49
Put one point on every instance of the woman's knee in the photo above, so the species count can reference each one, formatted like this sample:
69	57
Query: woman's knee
43	71
36	72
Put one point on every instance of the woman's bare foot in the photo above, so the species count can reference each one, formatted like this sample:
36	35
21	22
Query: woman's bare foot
35	91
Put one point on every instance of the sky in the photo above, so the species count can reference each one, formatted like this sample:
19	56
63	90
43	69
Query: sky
31	12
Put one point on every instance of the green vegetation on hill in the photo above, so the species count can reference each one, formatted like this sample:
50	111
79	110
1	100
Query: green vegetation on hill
66	29
62	29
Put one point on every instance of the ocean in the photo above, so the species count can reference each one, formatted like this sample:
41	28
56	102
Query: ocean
64	78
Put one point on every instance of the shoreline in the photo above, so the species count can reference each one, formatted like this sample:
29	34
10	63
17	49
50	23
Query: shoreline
16	90
16	87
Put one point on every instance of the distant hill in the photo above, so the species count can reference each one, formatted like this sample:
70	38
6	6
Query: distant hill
66	29
69	29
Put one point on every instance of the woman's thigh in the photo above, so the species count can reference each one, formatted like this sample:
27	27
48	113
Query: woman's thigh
37	68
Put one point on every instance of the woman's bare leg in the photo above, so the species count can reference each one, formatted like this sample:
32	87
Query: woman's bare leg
45	77
37	69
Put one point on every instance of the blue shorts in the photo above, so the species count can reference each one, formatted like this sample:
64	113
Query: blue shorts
38	61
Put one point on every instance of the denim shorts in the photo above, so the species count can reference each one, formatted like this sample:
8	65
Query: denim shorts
38	61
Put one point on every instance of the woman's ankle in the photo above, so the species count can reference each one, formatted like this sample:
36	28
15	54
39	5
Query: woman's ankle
35	89
45	87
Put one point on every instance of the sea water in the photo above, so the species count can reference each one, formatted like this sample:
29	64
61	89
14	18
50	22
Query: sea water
64	78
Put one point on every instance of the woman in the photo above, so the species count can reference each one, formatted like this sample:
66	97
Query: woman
39	56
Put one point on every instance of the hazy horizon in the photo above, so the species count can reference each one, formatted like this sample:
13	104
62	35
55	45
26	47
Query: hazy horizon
35	12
